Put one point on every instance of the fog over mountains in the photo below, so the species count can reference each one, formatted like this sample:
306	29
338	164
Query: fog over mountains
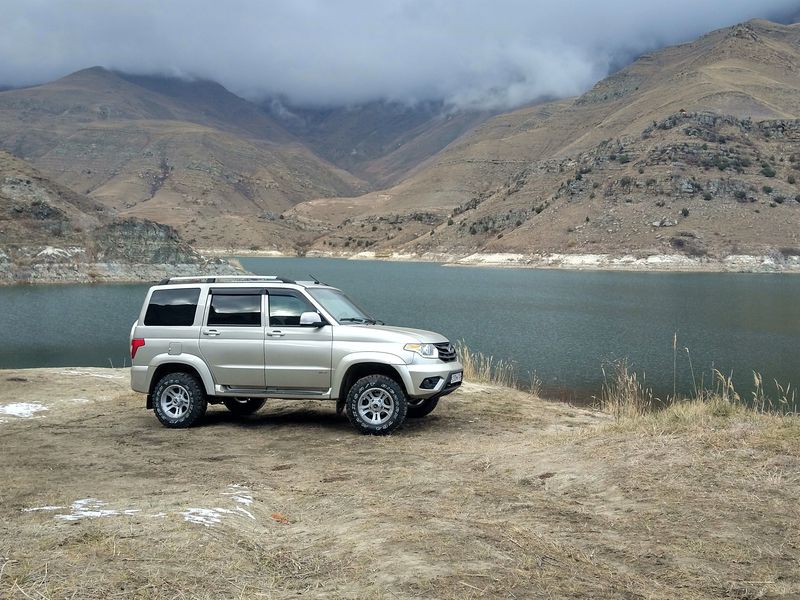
469	54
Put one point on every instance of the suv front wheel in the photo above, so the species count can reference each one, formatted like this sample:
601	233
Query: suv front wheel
376	405
179	400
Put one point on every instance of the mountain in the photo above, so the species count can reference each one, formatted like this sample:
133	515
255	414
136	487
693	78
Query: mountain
189	154
50	233
691	150
380	141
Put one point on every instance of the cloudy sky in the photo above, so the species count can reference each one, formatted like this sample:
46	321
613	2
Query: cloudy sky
331	52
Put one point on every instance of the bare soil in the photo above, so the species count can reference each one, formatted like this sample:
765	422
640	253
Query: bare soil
495	494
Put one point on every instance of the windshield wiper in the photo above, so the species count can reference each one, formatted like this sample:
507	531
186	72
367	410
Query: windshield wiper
360	320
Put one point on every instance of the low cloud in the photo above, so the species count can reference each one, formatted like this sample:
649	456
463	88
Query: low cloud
317	52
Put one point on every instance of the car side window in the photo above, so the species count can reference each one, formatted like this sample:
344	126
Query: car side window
240	310
285	308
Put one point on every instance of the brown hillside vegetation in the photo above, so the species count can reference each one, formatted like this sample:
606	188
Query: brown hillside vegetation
50	233
691	150
191	155
380	142
496	494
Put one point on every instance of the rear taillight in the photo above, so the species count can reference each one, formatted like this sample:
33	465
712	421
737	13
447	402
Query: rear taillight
136	343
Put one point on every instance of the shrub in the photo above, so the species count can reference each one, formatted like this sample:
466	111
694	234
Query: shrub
779	199
624	158
767	170
767	189
707	196
740	194
449	221
791	179
641	170
685	212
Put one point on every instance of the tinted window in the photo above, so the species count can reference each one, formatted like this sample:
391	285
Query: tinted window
242	310
285	309
172	307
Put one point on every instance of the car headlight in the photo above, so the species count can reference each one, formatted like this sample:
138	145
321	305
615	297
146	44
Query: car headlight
424	350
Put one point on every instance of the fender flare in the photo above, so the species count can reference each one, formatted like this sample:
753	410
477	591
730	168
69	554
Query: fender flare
182	359
383	358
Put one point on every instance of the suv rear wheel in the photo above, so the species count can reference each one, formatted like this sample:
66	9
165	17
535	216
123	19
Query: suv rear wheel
179	400
376	405
419	407
244	406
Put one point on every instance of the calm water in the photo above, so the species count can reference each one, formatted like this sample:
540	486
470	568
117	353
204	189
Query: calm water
564	325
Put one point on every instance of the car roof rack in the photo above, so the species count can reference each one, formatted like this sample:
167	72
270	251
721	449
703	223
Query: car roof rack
226	279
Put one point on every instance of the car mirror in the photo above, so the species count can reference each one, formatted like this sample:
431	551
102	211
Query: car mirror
311	319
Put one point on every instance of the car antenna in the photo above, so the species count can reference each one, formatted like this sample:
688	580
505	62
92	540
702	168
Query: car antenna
316	280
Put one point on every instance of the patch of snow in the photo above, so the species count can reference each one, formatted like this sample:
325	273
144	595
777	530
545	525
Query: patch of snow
53	251
239	494
208	517
248	513
21	409
92	508
43	508
80	400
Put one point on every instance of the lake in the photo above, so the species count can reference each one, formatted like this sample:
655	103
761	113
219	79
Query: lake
563	325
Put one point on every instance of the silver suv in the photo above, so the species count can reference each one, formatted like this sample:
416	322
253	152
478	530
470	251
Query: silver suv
240	340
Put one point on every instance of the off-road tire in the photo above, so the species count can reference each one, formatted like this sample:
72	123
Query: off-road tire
179	400
244	406
421	408
383	392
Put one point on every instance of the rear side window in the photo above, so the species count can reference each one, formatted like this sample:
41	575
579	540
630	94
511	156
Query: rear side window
172	308
243	310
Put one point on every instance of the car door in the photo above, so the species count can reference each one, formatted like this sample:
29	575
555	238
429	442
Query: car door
296	357
232	336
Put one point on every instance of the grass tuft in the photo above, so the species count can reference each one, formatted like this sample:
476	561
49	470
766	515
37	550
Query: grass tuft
482	368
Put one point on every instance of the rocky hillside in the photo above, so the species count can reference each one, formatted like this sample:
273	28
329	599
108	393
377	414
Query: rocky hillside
692	150
189	154
380	142
50	233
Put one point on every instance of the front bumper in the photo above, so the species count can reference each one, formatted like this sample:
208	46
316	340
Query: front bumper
437	373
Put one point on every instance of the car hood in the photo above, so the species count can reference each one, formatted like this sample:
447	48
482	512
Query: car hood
387	333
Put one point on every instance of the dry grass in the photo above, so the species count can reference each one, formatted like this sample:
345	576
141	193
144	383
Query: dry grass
496	494
484	368
626	396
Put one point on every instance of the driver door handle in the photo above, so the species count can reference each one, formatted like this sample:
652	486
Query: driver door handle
275	333
210	332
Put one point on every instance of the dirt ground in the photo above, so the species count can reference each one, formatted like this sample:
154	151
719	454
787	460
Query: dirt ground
496	494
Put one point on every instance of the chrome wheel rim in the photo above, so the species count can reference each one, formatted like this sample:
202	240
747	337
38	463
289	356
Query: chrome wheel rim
375	406
175	401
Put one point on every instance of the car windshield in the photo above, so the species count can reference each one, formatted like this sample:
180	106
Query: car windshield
339	306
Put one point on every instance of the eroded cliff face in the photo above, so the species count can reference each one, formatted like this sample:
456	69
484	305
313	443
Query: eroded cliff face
49	233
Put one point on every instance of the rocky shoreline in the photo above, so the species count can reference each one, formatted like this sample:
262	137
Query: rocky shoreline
49	265
738	263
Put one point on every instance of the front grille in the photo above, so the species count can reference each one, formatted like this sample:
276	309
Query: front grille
446	351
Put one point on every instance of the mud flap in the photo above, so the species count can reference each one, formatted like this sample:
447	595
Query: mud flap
150	401
340	405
